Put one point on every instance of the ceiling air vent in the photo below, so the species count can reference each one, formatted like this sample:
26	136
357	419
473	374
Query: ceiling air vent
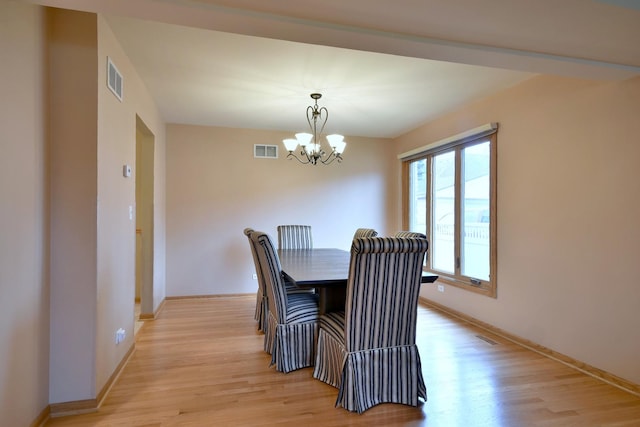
265	151
114	79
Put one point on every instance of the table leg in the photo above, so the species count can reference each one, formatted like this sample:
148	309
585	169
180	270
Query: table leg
331	299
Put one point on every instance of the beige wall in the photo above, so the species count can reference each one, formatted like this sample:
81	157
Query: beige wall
24	290
93	238
65	204
116	231
73	113
215	188
568	209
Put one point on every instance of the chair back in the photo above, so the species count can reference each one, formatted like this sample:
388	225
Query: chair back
365	232
295	237
272	273
256	260
382	292
410	235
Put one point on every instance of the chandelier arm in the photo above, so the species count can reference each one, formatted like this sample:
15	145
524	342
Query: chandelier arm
323	119
331	157
293	156
311	116
325	162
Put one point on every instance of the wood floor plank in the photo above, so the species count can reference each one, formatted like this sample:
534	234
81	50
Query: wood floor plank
200	363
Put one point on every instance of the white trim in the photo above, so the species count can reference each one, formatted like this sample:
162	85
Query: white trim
484	129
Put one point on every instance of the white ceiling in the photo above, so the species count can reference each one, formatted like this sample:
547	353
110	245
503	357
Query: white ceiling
383	67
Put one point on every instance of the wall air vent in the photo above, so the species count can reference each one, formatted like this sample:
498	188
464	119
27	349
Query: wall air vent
265	151
114	79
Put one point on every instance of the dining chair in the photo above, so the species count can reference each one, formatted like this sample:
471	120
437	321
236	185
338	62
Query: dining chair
369	351
262	306
292	327
295	237
410	235
365	232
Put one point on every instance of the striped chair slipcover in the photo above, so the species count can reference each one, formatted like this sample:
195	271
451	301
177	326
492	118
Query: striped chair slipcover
365	232
262	306
369	351
295	237
292	327
410	235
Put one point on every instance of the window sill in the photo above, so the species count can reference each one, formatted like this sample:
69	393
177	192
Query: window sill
487	288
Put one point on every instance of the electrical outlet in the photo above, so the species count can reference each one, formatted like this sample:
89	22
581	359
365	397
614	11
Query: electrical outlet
255	276
440	288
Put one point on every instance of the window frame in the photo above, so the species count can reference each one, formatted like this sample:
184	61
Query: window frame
457	144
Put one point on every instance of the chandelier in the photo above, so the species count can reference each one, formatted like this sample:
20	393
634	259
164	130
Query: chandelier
310	150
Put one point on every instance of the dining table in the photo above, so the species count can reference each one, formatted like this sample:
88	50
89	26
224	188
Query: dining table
326	270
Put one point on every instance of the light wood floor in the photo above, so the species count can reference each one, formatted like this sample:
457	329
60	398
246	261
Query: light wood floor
201	364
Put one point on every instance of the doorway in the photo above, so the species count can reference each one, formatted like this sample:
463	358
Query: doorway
145	146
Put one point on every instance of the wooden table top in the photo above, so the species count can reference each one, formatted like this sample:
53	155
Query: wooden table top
315	267
322	267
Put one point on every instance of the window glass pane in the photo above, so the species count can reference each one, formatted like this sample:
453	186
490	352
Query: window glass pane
443	213
418	196
475	211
